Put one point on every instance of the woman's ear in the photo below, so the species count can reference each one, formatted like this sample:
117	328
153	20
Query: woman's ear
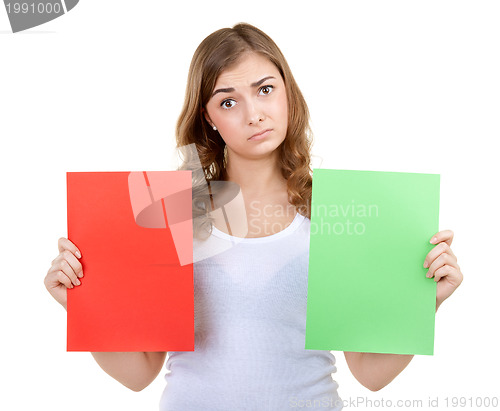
207	117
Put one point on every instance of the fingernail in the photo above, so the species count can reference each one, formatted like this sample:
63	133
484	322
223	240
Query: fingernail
78	254
425	264
428	275
433	240
78	282
80	275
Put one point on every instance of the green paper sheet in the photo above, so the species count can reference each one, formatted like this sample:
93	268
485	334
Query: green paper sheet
367	287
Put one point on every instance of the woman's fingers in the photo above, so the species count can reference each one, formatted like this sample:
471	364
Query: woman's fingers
63	278
442	260
65	244
64	272
445	270
68	266
436	251
67	261
445	236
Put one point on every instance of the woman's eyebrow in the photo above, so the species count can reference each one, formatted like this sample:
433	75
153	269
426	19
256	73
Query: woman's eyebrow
258	83
231	89
223	90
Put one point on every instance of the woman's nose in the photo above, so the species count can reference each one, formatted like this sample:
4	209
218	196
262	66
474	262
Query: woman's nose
255	113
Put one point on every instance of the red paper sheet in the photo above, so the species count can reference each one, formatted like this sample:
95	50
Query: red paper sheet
135	294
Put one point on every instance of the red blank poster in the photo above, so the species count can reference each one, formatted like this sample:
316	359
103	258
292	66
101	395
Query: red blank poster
135	294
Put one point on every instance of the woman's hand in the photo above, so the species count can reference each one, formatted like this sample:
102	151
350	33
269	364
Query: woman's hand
64	272
443	266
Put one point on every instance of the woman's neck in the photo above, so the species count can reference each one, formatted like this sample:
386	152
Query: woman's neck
256	178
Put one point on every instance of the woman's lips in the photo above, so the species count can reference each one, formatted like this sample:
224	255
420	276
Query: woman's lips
261	135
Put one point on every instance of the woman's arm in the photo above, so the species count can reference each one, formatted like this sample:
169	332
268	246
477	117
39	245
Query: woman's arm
374	370
135	370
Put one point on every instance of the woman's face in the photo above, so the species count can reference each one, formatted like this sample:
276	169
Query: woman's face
249	107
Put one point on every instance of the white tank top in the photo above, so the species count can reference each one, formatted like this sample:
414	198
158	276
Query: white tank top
250	320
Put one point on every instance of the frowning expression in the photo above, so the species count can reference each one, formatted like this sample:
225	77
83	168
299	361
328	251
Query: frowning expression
249	107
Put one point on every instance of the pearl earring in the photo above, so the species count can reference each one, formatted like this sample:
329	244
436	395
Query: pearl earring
215	128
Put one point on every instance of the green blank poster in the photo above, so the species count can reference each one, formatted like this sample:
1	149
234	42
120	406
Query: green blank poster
367	287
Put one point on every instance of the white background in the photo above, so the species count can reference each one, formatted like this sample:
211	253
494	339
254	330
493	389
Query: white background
409	86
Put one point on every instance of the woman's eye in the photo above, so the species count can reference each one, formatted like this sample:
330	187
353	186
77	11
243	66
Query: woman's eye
266	89
228	104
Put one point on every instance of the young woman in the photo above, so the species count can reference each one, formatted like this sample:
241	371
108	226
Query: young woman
249	122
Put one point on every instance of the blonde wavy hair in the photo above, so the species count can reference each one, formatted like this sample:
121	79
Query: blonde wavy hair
216	53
